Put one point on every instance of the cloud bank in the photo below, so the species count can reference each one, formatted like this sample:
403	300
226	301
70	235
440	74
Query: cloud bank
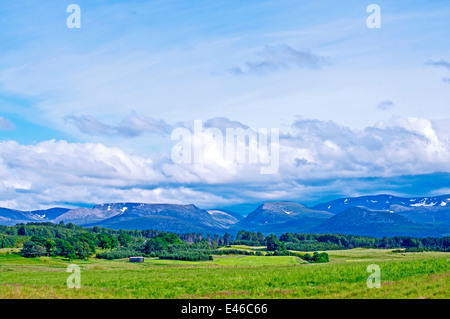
316	157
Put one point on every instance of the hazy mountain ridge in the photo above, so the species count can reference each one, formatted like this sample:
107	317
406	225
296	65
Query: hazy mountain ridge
377	215
362	221
384	202
282	216
11	217
179	218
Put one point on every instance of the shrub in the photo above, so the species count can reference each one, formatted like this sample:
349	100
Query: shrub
316	257
118	253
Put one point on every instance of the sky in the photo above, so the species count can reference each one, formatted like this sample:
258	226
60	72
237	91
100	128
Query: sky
87	114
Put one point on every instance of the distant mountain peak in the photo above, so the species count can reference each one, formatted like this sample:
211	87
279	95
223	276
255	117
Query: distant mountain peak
358	220
372	215
383	202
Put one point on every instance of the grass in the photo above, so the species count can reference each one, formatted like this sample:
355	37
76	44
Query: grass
409	275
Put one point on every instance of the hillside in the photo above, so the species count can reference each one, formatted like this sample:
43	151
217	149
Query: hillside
10	217
168	217
279	217
362	221
384	202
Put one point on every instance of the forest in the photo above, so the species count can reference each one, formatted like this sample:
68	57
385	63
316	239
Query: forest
76	242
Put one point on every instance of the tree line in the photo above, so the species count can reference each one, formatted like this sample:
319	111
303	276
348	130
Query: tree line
317	242
77	242
310	242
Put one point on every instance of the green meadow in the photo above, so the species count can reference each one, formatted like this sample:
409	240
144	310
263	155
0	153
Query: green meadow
403	275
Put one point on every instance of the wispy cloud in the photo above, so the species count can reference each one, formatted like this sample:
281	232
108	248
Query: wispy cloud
441	63
279	57
386	105
132	126
6	124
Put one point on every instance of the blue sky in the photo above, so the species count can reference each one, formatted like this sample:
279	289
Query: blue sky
86	114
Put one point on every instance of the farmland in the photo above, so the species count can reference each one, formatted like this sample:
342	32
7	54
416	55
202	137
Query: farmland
403	275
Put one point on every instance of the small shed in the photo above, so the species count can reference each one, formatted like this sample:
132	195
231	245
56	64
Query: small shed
136	259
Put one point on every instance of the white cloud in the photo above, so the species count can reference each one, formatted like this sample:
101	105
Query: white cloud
398	146
312	151
132	126
61	171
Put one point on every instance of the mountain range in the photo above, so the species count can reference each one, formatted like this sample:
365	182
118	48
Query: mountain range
376	215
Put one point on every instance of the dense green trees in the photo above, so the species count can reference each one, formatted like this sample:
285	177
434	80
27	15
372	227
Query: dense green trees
32	249
273	244
118	253
314	242
124	239
64	248
162	242
169	246
77	247
186	255
71	241
106	241
316	257
9	241
249	238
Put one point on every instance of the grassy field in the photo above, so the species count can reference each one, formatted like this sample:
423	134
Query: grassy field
410	275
